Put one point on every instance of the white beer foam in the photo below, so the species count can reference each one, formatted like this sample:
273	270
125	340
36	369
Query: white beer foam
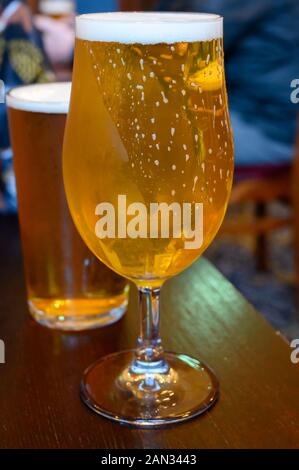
58	7
149	28
52	98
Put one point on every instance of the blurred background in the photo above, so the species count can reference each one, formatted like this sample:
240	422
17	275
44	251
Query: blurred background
258	246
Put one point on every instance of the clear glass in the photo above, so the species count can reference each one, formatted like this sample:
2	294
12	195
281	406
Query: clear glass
67	287
148	147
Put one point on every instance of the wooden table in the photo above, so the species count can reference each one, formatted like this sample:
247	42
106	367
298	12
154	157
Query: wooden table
202	315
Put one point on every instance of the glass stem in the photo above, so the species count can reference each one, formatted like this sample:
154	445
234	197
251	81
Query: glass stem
149	354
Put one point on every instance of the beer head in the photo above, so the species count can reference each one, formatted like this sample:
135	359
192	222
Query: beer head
51	98
56	9
149	28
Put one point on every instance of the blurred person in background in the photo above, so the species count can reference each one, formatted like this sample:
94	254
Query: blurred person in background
56	23
22	61
261	43
59	33
31	47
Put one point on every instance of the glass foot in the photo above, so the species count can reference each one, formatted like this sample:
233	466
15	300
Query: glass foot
176	389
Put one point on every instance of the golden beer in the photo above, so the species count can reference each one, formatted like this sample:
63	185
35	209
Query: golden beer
149	121
67	286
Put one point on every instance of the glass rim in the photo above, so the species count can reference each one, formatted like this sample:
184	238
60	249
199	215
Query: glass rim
149	27
136	16
40	103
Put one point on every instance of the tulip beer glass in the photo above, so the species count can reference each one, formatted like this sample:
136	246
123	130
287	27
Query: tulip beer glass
148	165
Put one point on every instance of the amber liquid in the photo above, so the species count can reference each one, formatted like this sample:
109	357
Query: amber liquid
57	16
65	282
150	122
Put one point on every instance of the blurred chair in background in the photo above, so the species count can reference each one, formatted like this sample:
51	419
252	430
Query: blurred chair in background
262	186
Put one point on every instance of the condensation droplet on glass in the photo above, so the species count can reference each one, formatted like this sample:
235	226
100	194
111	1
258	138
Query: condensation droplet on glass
194	183
165	100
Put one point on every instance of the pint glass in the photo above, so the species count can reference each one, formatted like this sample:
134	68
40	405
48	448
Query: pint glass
67	287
